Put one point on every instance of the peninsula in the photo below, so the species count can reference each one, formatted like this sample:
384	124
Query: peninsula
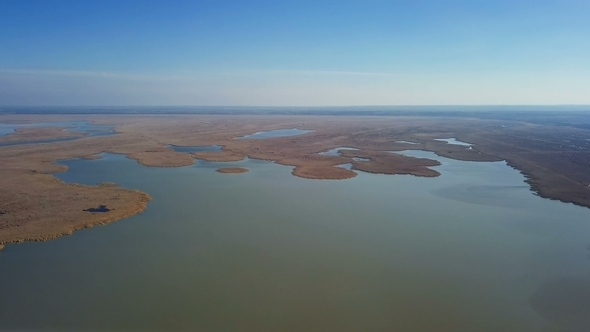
36	206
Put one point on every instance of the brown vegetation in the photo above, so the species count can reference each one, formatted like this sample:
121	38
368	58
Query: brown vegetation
38	134
232	170
37	206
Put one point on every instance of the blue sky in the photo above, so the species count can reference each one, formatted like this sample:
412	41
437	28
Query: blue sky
274	53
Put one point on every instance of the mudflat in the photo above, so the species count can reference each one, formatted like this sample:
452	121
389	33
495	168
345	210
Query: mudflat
37	206
232	170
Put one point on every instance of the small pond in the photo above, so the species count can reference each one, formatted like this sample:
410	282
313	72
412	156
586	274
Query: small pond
275	133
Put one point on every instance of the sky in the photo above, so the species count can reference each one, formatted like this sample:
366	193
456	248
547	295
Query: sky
294	53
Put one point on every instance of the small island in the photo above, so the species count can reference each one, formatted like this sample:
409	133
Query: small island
232	170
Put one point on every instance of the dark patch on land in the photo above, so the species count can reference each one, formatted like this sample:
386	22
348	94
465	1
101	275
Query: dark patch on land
100	208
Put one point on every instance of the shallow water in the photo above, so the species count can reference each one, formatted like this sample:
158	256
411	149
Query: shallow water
72	126
275	133
471	250
190	149
406	142
335	151
453	141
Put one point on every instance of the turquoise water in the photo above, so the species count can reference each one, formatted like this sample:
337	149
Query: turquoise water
471	250
276	133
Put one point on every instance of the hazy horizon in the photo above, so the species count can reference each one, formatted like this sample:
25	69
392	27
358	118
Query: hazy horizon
263	53
524	107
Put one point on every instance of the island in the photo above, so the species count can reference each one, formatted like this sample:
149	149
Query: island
232	170
37	206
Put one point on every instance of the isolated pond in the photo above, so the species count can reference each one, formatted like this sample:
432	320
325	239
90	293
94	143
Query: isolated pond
335	151
71	126
275	133
453	141
189	149
471	250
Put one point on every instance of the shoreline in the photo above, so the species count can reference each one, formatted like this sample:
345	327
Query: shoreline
29	168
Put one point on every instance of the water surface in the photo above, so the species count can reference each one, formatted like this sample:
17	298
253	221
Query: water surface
471	250
275	133
190	149
335	151
71	126
453	141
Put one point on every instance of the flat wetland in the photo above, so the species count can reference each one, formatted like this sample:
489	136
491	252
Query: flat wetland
444	238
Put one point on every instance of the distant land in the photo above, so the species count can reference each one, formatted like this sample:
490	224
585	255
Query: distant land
566	115
551	148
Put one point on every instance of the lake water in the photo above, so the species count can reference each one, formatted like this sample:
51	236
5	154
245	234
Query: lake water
406	142
72	126
453	141
471	250
275	133
189	149
336	151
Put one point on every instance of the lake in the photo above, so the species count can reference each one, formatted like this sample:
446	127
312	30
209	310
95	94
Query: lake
471	250
73	126
336	151
70	126
453	141
275	133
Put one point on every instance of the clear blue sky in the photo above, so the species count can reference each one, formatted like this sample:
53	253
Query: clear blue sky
294	52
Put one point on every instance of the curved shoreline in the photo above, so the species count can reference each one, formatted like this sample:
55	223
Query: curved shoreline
28	168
